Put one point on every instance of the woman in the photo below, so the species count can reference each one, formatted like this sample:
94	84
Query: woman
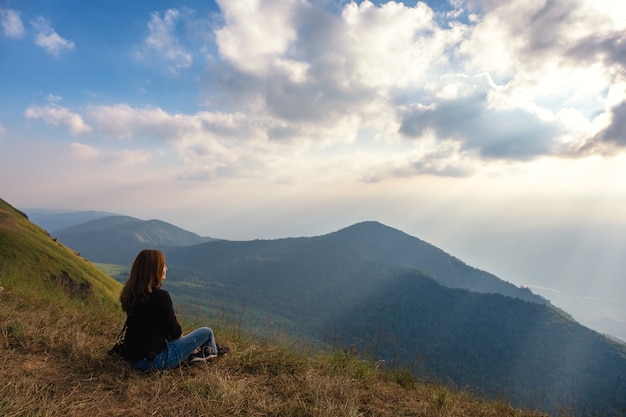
154	339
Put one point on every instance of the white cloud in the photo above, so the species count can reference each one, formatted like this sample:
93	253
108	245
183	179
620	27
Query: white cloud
430	94
205	142
3	130
124	122
11	23
121	157
458	92
49	39
56	115
553	56
440	158
257	33
51	98
163	40
321	76
210	145
365	47
83	151
393	45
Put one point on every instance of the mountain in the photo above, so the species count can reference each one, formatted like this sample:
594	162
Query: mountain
386	245
59	315
53	220
118	239
404	301
299	272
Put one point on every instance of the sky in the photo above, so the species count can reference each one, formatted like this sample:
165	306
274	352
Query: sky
493	130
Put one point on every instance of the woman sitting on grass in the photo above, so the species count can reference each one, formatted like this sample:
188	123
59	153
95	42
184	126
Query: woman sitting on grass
154	339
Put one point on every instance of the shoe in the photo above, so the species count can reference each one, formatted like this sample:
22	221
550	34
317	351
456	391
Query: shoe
222	350
205	354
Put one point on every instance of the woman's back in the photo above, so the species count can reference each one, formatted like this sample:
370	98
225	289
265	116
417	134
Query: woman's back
149	326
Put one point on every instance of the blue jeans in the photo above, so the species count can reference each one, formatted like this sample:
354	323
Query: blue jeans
178	350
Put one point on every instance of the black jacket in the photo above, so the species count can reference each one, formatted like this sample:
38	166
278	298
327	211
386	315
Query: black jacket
149	326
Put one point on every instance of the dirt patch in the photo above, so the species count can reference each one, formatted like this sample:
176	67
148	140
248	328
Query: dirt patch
69	285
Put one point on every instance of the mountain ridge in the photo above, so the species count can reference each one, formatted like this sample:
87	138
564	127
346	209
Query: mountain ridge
401	251
314	286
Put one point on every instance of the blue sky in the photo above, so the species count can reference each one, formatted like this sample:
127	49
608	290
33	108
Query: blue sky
466	123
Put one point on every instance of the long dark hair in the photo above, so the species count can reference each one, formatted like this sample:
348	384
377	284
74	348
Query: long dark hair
145	276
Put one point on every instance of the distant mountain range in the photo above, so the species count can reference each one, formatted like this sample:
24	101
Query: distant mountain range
117	239
53	220
388	295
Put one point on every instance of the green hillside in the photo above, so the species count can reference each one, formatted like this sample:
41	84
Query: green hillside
59	315
41	268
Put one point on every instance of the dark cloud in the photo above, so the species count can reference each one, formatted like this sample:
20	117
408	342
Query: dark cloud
609	141
310	102
541	30
318	102
320	98
282	133
615	133
549	21
507	134
547	33
611	49
226	89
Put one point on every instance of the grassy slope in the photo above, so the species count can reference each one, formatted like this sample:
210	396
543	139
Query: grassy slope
59	315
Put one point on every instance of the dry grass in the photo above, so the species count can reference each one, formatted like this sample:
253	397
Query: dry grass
53	362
